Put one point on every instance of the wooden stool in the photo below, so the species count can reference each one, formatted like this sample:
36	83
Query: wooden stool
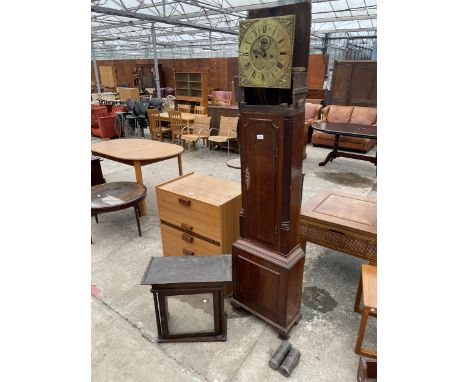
367	290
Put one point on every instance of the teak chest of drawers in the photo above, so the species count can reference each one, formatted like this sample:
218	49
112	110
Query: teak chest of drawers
199	215
341	221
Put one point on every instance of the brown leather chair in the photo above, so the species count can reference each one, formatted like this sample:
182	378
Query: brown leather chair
347	114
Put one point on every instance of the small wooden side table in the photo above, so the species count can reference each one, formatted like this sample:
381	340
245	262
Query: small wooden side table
367	292
117	196
341	221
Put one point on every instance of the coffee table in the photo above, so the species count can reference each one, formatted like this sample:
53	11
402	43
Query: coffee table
115	196
137	153
349	129
341	221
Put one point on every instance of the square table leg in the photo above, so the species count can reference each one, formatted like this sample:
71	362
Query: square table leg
139	179
179	159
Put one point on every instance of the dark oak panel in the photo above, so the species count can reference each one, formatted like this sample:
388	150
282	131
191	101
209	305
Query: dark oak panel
354	83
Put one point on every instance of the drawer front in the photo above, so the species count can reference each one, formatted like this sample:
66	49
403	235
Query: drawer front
178	243
204	219
339	240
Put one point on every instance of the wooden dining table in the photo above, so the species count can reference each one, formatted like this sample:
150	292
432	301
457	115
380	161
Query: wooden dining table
186	117
137	153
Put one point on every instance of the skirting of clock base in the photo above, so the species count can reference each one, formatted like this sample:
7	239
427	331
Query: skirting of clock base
283	331
268	284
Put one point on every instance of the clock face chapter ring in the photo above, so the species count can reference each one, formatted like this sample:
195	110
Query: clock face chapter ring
265	51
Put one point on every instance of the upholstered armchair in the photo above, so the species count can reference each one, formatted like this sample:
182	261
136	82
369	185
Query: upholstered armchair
97	111
106	124
347	114
221	97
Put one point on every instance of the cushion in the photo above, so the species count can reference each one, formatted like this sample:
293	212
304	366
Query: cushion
312	111
340	114
364	115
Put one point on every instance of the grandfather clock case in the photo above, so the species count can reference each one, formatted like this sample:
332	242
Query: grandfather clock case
267	260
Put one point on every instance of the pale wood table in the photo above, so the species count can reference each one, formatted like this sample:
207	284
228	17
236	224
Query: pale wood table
186	117
138	153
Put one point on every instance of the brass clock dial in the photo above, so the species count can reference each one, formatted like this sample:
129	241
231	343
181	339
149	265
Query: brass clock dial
265	52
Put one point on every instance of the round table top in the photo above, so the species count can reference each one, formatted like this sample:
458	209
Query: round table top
234	163
116	195
136	149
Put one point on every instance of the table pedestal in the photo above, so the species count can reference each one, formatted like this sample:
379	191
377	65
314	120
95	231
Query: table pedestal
336	154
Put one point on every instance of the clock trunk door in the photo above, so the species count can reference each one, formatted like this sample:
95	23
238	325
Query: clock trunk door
259	159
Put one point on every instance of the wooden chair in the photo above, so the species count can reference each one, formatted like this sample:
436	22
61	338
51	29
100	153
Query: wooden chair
200	110
367	291
184	108
156	129
200	130
177	124
227	131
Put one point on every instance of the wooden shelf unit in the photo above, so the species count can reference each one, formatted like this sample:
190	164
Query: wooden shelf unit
191	87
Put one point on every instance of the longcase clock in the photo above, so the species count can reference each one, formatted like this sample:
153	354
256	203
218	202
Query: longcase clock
268	262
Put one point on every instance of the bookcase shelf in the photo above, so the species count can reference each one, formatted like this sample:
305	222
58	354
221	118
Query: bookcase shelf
192	87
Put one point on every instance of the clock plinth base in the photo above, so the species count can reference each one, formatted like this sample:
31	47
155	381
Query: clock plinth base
268	284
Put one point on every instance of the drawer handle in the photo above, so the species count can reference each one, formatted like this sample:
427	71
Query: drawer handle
186	226
187	238
188	252
335	231
184	202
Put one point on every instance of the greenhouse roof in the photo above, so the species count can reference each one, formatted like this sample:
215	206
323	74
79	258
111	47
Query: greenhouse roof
208	28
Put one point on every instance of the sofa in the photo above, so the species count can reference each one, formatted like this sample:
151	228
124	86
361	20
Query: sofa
312	113
347	114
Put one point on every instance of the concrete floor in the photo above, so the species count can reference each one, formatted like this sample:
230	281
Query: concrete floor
123	321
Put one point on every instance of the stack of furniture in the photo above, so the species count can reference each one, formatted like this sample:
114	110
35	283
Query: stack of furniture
192	87
129	93
347	114
199	215
221	97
